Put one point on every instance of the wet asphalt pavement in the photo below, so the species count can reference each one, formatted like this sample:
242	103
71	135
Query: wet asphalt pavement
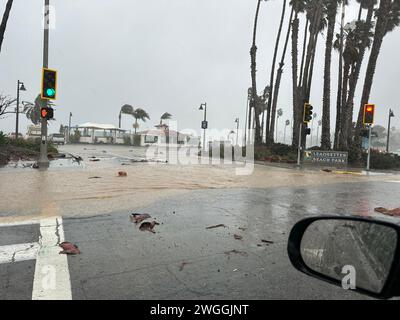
184	260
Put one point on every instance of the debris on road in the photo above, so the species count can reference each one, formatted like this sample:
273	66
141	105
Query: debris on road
388	212
237	237
234	270
69	248
76	158
183	264
94	159
242	229
327	170
148	226
242	253
267	241
122	174
217	226
139	217
95	177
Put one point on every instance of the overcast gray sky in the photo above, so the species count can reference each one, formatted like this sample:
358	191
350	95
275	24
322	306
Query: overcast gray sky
163	56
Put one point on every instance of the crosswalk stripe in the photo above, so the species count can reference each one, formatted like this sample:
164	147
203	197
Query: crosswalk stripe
52	279
18	252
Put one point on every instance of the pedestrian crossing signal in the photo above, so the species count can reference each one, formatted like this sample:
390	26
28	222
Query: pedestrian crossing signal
49	84
369	114
47	113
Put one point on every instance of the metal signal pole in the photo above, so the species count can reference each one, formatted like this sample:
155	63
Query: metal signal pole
43	160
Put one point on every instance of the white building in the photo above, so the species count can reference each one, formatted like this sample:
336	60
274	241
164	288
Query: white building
100	133
162	135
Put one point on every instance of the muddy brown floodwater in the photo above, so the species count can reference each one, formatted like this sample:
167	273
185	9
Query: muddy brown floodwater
94	187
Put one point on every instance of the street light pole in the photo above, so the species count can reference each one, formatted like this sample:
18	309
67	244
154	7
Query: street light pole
43	159
319	125
69	127
369	147
237	131
20	86
205	120
391	114
247	116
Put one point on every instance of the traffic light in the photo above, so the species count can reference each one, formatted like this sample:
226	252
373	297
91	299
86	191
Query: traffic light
49	84
47	113
369	113
308	112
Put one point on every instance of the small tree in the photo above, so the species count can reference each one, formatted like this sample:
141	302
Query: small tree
75	138
6	105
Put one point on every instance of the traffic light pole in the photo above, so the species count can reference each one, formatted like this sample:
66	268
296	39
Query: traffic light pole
43	159
369	147
299	149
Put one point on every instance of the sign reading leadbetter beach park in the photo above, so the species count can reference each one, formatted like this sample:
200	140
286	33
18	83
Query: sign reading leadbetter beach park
336	158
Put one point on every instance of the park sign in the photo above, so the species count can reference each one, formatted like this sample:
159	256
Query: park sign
334	158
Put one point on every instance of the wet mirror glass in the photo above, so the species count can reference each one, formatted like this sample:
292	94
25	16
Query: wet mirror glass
357	253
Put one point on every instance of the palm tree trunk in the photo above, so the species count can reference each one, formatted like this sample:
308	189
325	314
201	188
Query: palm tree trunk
360	11
311	49
136	122
326	119
271	114
295	90
253	55
311	73
380	32
304	52
3	24
281	65
343	122
340	79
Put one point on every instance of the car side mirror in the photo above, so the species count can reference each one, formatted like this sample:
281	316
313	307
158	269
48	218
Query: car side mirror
351	252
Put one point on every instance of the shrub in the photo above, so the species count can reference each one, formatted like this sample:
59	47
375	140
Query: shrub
383	161
127	140
3	139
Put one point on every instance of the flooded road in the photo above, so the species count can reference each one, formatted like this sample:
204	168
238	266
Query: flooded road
93	187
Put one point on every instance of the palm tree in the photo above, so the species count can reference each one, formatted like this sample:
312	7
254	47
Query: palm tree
363	38
165	116
127	109
281	65
254	96
331	7
314	9
315	15
388	18
140	114
298	6
339	46
3	24
269	131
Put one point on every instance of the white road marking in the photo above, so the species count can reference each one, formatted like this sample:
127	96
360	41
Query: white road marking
52	280
18	252
19	223
394	181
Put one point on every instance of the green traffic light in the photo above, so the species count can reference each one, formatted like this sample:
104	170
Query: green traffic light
50	92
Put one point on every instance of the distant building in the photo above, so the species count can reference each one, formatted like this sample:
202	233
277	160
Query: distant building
162	135
100	133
